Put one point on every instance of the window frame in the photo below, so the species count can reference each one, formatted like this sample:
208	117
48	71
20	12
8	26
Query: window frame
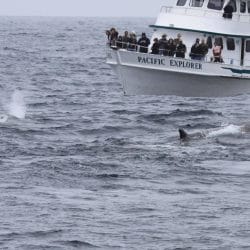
230	47
247	49
209	42
181	1
248	6
245	6
211	2
193	2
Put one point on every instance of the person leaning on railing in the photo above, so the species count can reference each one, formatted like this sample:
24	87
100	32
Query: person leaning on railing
203	49
155	47
132	45
143	42
112	36
163	45
119	42
196	53
171	47
125	40
181	49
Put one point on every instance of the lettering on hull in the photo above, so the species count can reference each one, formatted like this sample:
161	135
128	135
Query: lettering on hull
150	60
172	62
185	64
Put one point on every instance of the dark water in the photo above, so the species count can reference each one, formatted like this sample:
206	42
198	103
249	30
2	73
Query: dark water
90	168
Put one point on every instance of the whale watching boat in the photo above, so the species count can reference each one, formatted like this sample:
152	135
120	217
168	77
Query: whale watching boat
222	70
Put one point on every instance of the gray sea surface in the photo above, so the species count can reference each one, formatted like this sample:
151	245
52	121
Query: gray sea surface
84	167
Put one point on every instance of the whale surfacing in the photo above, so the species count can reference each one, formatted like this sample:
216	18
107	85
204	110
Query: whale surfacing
212	133
183	134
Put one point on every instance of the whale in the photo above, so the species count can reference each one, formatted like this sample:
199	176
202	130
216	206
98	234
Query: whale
210	133
184	136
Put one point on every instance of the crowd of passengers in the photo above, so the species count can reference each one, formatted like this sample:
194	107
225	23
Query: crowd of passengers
173	47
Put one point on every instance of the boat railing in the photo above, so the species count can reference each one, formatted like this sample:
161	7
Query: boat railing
202	12
132	47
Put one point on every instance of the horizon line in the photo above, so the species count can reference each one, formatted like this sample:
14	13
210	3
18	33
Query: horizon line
6	15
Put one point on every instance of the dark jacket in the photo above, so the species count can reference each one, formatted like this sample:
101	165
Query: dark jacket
155	48
181	50
203	48
144	43
163	43
132	43
171	49
125	41
228	11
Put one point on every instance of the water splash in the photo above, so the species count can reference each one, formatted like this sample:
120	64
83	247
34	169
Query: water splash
17	107
228	130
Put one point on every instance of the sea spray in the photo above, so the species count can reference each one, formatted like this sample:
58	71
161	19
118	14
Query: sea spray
17	107
227	130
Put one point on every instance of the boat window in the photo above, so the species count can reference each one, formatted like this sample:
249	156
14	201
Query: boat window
230	44
248	6
248	46
181	2
215	4
219	41
209	42
196	3
243	5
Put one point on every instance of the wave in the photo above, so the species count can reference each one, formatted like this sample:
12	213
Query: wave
77	244
162	117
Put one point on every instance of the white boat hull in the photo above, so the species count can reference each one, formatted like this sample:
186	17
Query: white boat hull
146	79
154	82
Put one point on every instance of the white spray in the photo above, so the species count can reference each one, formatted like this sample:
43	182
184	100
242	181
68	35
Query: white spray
227	130
17	107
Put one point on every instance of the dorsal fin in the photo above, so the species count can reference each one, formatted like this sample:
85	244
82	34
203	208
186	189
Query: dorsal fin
183	134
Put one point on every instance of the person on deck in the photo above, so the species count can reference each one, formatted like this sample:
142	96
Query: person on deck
113	36
217	53
155	47
181	49
177	40
196	51
228	10
171	47
203	48
143	42
163	45
119	42
125	40
132	45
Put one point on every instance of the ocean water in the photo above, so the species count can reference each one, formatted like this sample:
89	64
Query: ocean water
84	167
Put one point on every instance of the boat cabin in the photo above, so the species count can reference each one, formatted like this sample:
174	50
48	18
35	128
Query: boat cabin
224	22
